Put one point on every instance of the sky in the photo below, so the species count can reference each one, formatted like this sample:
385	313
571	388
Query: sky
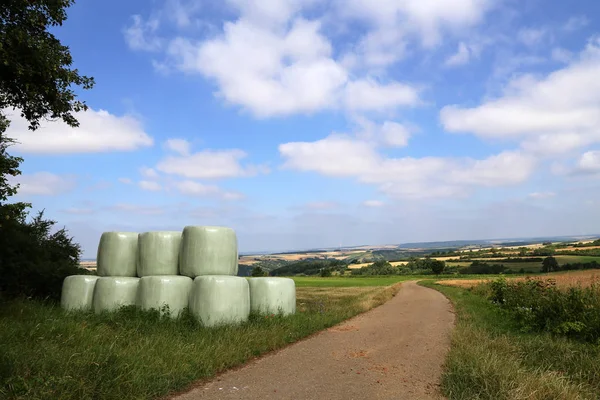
304	123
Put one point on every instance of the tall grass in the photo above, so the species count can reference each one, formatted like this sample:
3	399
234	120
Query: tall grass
491	358
48	354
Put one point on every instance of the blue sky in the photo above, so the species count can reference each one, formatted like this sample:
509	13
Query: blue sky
304	123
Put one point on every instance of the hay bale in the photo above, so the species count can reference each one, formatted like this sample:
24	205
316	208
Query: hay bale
156	292
78	292
158	253
117	254
217	300
208	250
111	293
272	295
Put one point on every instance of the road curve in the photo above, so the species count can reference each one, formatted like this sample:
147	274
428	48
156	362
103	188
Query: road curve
394	351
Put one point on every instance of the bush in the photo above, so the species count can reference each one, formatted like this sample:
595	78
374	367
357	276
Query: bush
540	306
33	261
479	267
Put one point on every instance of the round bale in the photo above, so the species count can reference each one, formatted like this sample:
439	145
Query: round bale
158	253
118	254
78	292
217	300
156	292
208	250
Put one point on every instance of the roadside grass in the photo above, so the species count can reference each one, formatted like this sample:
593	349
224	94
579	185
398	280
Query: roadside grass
491	358
46	353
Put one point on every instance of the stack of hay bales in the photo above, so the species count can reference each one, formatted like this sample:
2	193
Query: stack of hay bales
196	268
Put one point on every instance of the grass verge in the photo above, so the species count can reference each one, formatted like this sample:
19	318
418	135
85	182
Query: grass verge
491	359
48	354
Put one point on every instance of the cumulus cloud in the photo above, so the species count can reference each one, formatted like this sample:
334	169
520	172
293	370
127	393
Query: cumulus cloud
531	36
149	173
210	164
588	163
150	186
125	181
367	95
99	131
43	184
193	188
179	146
405	177
141	34
553	114
576	22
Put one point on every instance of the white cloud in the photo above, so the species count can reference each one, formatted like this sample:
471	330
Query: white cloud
531	36
367	94
427	18
461	57
78	211
99	131
576	23
344	156
179	146
141	34
268	73
199	189
210	164
42	184
125	181
373	203
137	209
541	195
149	173
588	163
553	114
562	55
321	205
150	186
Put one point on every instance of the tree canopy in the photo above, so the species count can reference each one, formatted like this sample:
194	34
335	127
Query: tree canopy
36	78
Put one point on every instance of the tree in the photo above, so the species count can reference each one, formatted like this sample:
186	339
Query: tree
437	266
550	264
258	271
36	79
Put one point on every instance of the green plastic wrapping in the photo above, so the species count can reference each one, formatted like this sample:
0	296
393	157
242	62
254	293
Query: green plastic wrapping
272	295
158	253
156	292
78	292
117	254
217	300
208	250
111	293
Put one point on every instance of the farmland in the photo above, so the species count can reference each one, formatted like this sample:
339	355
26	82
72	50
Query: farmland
496	356
46	353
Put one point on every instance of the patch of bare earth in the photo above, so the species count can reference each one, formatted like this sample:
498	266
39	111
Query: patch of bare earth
395	351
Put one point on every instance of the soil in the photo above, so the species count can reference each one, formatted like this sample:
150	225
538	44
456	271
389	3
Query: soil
395	351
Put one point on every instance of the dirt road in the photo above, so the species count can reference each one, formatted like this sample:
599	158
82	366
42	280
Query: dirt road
395	351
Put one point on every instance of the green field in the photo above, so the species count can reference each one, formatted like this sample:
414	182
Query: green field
492	359
312	281
46	353
530	266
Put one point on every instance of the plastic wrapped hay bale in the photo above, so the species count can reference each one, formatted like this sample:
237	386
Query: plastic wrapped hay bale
272	295
216	300
117	254
156	292
208	250
111	293
158	253
78	292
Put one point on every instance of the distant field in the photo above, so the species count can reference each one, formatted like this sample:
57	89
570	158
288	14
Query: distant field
563	279
309	281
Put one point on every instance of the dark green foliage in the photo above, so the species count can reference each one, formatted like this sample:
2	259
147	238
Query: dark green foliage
540	306
581	265
550	264
480	267
37	79
258	271
34	260
380	267
437	266
545	251
35	68
325	273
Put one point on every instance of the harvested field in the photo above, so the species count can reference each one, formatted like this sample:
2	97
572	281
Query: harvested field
394	263
563	279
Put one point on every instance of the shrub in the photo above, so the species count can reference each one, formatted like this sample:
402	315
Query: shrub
539	305
33	260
